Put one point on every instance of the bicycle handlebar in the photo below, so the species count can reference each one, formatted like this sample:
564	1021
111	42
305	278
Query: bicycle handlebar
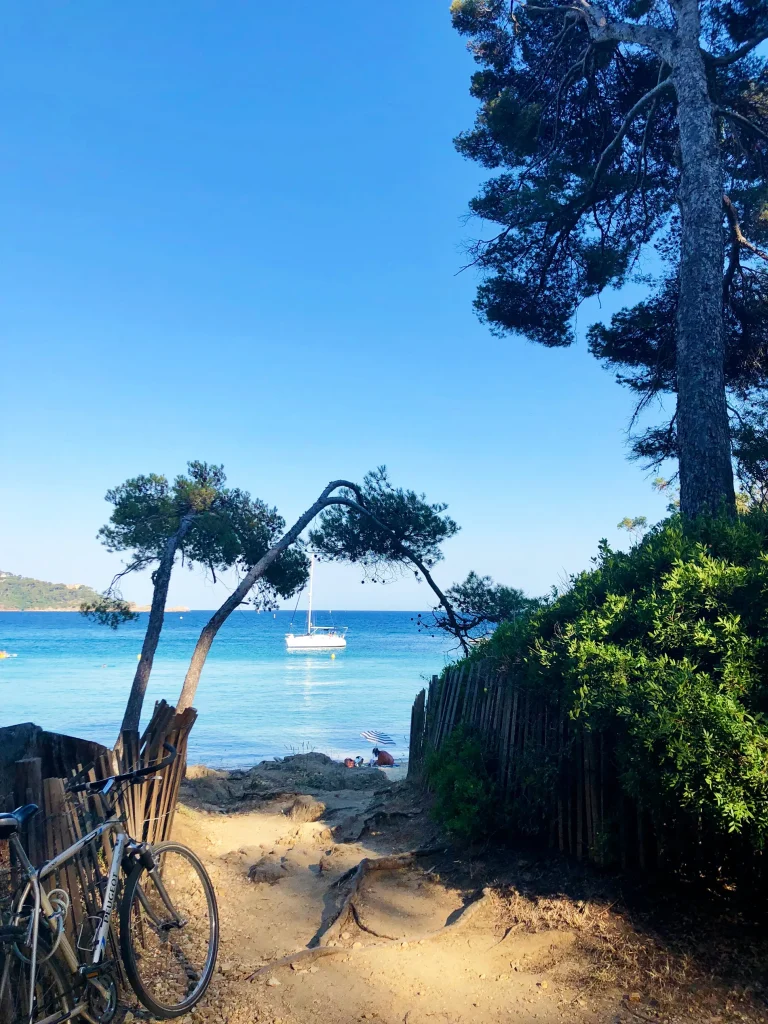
133	777
140	773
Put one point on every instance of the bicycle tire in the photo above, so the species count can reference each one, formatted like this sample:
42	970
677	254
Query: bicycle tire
169	976
53	987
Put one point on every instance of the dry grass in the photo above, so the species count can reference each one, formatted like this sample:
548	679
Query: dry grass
702	971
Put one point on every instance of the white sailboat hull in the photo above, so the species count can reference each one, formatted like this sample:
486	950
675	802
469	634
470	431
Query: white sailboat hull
314	641
316	638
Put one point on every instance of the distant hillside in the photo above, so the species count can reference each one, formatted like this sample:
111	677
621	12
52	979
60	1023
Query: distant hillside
22	594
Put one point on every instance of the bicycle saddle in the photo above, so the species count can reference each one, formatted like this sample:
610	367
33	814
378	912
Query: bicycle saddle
11	823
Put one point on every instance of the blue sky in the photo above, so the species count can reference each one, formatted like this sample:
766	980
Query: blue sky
232	232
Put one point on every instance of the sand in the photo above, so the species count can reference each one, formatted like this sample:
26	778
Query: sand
275	877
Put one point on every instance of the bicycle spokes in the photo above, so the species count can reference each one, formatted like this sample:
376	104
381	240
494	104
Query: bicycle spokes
171	930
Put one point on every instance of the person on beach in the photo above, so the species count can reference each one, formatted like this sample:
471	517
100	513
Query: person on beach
383	758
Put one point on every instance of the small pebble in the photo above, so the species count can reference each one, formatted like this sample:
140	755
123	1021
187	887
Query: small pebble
345	935
357	945
273	983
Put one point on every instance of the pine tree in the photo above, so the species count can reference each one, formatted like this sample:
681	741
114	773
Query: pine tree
614	130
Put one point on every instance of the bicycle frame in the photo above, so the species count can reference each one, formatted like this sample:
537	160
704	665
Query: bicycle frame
35	876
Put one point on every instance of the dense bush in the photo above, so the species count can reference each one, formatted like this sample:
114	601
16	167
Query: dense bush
462	786
665	647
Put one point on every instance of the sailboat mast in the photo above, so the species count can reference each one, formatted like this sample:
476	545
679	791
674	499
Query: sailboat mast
309	609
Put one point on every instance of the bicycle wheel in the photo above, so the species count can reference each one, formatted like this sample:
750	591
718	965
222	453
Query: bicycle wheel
169	931
53	987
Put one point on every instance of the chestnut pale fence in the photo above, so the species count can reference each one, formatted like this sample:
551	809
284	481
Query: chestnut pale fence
560	781
35	766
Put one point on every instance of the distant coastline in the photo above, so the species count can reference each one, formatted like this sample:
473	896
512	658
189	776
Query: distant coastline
25	594
134	608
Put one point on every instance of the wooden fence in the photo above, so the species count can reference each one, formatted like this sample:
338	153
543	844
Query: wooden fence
554	778
64	817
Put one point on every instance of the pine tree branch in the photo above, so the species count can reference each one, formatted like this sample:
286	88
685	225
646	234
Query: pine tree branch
733	220
612	146
411	555
738	53
139	563
740	119
733	255
602	30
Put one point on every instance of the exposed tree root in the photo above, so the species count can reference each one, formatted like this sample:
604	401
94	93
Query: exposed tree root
366	928
357	876
348	909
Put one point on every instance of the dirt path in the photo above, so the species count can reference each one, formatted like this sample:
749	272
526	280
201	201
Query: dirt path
274	876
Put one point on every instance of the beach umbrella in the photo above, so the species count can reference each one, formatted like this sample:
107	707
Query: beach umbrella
378	737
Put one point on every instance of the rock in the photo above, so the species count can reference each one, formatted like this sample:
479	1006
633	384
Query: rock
357	945
345	935
271	868
634	997
543	984
306	808
273	982
201	771
314	969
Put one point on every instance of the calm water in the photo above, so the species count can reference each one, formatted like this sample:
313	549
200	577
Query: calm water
255	699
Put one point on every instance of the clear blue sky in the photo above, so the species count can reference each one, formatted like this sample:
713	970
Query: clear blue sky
231	232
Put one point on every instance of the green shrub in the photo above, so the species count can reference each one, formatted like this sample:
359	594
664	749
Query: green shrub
665	647
464	792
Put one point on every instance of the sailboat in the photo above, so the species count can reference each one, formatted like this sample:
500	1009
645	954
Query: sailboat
317	638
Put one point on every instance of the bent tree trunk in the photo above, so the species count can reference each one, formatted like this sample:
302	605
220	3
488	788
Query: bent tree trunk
704	447
162	579
236	598
217	620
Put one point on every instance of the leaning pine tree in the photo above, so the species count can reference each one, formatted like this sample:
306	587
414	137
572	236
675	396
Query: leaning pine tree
617	129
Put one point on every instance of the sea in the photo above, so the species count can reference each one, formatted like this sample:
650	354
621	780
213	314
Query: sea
256	699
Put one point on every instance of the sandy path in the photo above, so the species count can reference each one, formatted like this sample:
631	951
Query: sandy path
482	973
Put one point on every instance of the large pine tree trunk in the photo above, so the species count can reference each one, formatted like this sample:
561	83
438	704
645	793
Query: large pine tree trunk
706	474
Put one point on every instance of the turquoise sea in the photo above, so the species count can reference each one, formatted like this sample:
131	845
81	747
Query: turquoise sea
255	699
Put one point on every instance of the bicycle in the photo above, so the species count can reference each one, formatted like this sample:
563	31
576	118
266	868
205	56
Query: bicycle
168	918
